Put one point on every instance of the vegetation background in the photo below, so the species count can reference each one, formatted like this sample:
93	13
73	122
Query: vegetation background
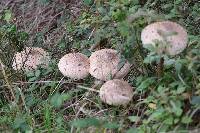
44	101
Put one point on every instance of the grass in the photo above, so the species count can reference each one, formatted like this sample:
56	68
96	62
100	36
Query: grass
45	101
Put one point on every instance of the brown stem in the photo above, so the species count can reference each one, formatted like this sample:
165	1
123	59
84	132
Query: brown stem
160	67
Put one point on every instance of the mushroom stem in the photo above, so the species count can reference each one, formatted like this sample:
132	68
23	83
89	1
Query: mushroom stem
160	67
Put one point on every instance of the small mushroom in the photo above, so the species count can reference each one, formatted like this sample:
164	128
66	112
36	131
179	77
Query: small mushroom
30	59
104	63
74	65
116	92
170	37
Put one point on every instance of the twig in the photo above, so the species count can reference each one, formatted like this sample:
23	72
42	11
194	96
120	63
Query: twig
91	34
87	88
57	85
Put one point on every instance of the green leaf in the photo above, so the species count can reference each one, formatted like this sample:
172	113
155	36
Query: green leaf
111	125
176	107
132	130
169	120
44	2
88	2
180	89
8	15
134	118
195	100
123	28
30	74
47	117
32	79
21	124
56	100
87	122
145	84
65	96
157	114
186	119
178	66
37	73
119	15
18	122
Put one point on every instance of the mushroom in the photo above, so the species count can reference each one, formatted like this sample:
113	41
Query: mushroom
30	59
116	92
170	37
104	63
74	65
167	37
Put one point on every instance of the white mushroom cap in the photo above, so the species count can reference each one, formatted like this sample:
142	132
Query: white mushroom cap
74	65
104	63
171	33
116	92
30	59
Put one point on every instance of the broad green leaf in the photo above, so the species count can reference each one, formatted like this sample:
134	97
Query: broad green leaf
186	119
132	130
123	28
65	96
111	125
88	2
178	66
180	89
157	114
56	100
134	118
169	120
119	15
37	73
32	79
145	84
30	74
21	124
176	107
8	15
87	122
195	100
18	122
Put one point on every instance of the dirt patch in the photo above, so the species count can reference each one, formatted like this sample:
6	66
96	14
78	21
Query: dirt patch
43	20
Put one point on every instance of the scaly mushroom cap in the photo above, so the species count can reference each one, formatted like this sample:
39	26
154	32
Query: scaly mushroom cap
116	92
170	33
74	65
30	59
105	63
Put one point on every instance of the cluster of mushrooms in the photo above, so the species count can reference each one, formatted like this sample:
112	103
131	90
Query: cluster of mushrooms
104	64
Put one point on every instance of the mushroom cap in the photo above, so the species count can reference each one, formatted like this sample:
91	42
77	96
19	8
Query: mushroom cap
30	59
171	33
116	92
74	65
105	63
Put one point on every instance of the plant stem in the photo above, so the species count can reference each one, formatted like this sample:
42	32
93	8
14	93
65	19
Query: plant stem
6	80
160	67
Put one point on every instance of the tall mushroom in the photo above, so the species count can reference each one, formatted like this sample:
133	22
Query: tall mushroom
30	59
116	92
104	64
167	37
170	37
74	65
